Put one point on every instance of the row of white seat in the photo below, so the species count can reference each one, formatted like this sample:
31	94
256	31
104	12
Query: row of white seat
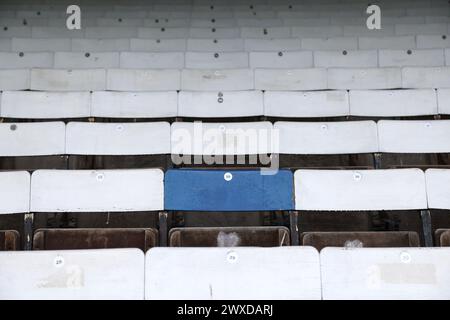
223	45
132	190
243	32
243	138
227	60
227	274
162	20
228	104
223	79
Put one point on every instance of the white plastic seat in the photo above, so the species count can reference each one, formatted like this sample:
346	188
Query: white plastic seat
211	23
306	104
100	45
171	23
215	45
40	45
256	22
438	191
120	22
153	60
307	138
17	79
426	77
45	105
234	138
444	101
82	60
15	60
385	273
362	30
5	45
162	33
388	42
110	32
393	103
433	41
109	104
53	32
239	273
268	32
317	31
14	192
346	59
217	80
32	139
107	274
272	44
221	104
364	78
419	136
68	80
335	43
15	32
411	58
220	33
291	79
227	60
361	190
279	60
423	29
447	57
158	45
143	80
97	190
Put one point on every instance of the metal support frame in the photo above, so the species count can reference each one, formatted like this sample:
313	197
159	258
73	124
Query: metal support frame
163	229
426	227
293	226
28	221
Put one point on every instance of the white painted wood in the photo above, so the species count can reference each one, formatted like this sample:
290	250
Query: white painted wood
16	60
360	190
220	104
438	188
40	45
86	60
234	138
158	45
346	59
289	59
215	60
426	77
14	192
385	273
444	101
100	45
217	80
68	80
287	44
97	190
232	273
83	138
143	80
45	105
110	104
17	79
411	58
32	139
346	137
154	60
291	79
215	45
364	78
393	103
107	274
392	43
414	136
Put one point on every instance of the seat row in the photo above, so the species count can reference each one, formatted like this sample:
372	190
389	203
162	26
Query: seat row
227	273
227	60
170	104
224	45
223	79
265	31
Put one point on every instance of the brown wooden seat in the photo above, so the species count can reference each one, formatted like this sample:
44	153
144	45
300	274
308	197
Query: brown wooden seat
9	240
66	239
442	237
320	240
229	237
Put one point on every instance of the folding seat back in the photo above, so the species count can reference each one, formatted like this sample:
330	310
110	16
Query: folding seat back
21	60
364	78
76	239
9	240
279	60
68	80
40	45
346	59
425	77
171	273
444	101
291	79
385	273
387	42
214	32
287	44
14	192
265	32
217	80
320	240
117	145
335	43
411	58
438	202
229	237
5	45
215	45
226	60
338	144
27	146
158	45
110	32
100	45
414	143
432	41
162	33
72	274
82	60
154	60
17	79
142	80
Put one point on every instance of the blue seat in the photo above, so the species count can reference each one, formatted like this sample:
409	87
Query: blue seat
228	190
